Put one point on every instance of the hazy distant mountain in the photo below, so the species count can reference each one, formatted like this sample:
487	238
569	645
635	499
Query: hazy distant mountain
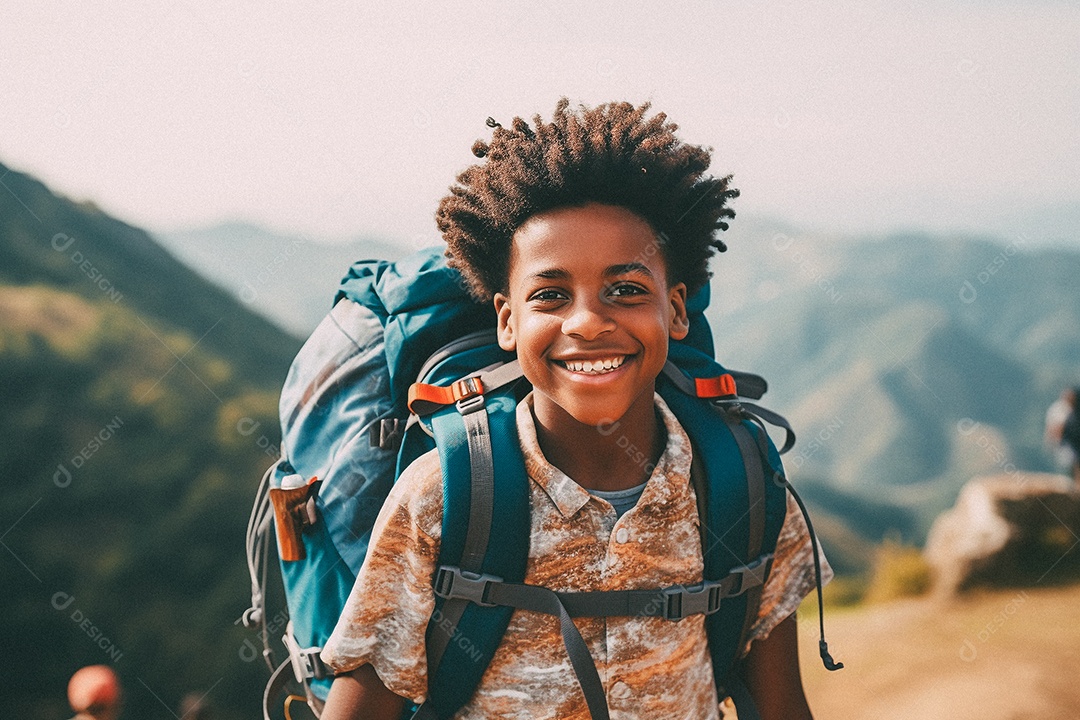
138	408
907	363
289	279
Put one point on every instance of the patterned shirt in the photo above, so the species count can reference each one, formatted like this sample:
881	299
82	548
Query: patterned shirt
650	667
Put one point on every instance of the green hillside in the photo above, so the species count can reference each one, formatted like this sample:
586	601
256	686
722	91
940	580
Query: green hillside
137	411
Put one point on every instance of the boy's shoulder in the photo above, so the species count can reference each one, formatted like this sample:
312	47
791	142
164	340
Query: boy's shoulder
418	491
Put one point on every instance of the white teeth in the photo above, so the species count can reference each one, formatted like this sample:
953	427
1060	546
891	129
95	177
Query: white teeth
595	367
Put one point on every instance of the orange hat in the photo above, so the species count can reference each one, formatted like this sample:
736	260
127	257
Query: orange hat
93	687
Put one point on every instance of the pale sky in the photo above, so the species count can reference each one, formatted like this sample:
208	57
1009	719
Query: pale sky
339	119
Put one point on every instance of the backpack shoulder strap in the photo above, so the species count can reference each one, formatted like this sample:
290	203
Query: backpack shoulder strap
740	509
473	436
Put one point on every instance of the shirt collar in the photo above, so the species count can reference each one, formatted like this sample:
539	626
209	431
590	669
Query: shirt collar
670	479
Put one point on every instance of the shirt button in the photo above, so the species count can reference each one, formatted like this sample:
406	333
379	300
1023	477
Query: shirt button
622	535
620	690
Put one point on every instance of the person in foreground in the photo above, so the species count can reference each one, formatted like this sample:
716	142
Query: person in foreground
587	234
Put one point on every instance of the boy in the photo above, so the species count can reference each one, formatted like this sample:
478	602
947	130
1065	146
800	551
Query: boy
587	234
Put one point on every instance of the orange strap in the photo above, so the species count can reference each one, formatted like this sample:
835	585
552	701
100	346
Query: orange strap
424	398
721	386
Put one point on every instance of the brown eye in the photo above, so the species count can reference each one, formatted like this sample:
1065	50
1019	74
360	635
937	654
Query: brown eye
548	296
626	290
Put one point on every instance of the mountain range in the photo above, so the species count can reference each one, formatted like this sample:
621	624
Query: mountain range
140	376
906	362
289	279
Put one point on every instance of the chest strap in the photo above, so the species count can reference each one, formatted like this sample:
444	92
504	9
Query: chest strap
671	603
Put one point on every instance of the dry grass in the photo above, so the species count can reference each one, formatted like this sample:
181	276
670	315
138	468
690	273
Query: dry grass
1003	655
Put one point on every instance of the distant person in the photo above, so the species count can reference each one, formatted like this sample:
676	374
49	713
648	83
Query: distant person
1065	453
1070	435
94	693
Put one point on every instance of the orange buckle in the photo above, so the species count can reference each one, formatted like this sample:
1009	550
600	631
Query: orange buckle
721	386
425	398
467	388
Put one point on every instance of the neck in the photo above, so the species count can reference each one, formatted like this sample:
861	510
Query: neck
614	456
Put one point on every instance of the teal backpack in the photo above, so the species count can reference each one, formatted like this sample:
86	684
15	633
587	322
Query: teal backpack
405	362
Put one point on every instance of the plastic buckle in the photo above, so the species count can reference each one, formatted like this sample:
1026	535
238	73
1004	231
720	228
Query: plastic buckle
757	571
313	664
470	404
453	583
306	662
681	601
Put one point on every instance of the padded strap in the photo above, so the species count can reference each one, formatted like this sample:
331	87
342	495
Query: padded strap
744	703
725	391
753	462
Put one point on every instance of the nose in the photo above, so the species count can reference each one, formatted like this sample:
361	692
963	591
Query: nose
588	319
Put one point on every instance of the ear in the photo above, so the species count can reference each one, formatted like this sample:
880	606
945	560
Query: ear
506	326
679	327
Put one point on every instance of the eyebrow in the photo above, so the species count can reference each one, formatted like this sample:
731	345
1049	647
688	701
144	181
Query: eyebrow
626	269
610	271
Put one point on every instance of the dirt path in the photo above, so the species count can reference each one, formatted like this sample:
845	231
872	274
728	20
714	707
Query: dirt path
1008	655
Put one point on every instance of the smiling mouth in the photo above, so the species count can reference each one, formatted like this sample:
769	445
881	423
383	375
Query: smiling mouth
593	367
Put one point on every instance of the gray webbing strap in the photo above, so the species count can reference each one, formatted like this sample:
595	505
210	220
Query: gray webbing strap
458	586
481	497
679	379
482	491
773	419
672	603
506	373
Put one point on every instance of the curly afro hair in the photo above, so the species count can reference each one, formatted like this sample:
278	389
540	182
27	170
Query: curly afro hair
610	154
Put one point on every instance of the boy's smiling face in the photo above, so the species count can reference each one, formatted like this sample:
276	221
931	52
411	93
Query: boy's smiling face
589	313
